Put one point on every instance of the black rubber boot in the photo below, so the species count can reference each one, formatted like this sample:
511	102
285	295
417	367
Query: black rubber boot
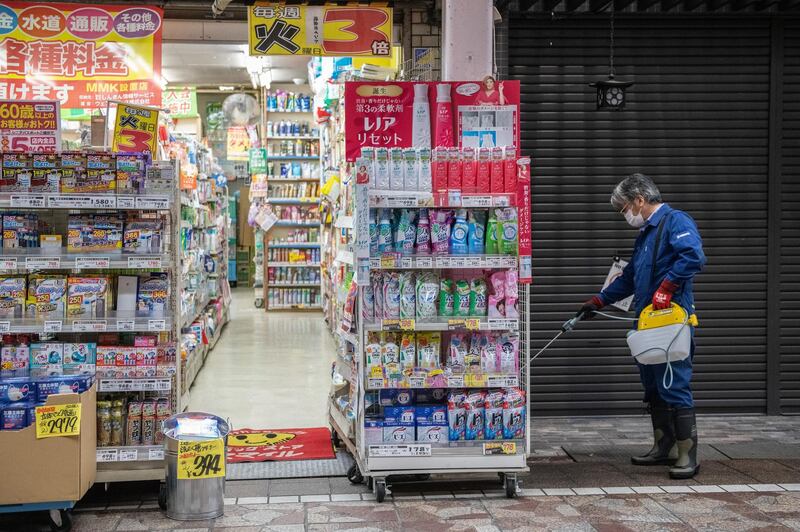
664	451
687	465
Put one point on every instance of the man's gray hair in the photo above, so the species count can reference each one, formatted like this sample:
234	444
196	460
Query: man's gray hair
633	186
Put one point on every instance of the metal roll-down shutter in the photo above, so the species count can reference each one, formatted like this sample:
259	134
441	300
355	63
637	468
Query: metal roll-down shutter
697	122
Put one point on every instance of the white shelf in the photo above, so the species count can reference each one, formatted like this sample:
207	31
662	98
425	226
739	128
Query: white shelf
454	199
293	264
155	384
445	324
36	259
54	200
396	261
420	382
111	322
130	453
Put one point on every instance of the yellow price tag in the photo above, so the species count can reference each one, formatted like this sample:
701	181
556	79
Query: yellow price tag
472	324
388	261
456	323
376	372
475	380
201	459
390	325
506	447
408	324
58	420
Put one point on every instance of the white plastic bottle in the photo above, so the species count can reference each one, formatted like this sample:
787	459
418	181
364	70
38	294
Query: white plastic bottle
421	124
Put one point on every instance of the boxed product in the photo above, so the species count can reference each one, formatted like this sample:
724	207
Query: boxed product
47	387
142	236
90	233
396	397
46	176
50	242
431	424
101	173
47	360
134	427
14	361
20	231
153	297
12	296
73	172
373	431
146	362
88	297
80	359
149	423
107	362
15	416
398	424
17	172
16	390
47	296
130	172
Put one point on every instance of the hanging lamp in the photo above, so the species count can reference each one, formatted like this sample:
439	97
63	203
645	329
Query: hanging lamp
611	91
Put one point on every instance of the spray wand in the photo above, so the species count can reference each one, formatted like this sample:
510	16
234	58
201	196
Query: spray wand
566	327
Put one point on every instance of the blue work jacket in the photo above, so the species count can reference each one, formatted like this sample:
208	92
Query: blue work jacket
679	258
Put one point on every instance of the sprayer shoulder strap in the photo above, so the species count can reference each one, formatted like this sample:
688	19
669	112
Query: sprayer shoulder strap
657	244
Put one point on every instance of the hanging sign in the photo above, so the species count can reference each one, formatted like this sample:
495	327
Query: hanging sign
135	129
181	102
238	144
278	29
29	126
377	115
258	160
58	420
201	459
80	55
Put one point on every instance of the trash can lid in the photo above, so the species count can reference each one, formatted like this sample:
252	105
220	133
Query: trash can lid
195	426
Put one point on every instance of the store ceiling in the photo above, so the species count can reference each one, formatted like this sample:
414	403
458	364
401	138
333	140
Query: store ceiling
214	64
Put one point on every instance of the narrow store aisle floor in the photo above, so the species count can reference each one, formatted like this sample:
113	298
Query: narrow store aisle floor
269	370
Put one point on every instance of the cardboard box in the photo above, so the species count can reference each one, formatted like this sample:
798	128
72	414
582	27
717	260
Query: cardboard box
51	469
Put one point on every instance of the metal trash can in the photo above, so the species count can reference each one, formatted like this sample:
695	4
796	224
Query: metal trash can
195	491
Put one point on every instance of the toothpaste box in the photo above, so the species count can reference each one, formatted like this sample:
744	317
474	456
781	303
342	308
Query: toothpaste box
15	416
15	361
396	397
47	360
47	296
373	431
12	296
88	297
80	359
16	390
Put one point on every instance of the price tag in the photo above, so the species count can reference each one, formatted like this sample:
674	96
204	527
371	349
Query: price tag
155	454
27	201
107	455
499	447
156	203
162	385
5	326
416	382
406	262
53	326
510	261
374	383
89	325
502	201
147	263
376	372
473	262
472	324
442	262
500	324
402	201
418	449
455	381
374	263
82	263
477	201
128	455
42	263
105	202
495	261
201	459
126	325
68	201
126	202
475	380
454	198
58	420
458	262
424	262
388	261
456	323
8	264
502	381
156	325
408	324
390	325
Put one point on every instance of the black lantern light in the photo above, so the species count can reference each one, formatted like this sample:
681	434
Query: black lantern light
611	92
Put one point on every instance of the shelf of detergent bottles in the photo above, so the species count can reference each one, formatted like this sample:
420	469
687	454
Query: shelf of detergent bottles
436	378
444	324
444	199
398	261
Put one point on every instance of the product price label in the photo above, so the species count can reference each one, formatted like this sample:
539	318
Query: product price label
495	261
455	381
105	202
8	264
475	380
472	262
388	261
58	420
458	262
472	324
424	262
82	263
500	324
502	201
442	262
456	323
376	372
126	202
201	459
390	325
500	447
453	198
128	455
89	325
374	263
134	385
156	203
126	325
502	381
406	262
416	382
408	324
375	383
42	263
68	201
107	455
155	454
406	202
28	201
419	449
477	201
5	326
156	325
147	263
53	326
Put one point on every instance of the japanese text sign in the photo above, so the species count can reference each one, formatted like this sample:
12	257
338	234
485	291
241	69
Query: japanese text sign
278	29
377	115
79	55
238	144
30	126
58	420
182	102
135	129
201	459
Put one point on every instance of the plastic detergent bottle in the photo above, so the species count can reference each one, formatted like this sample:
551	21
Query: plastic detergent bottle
385	232
421	121
423	233
458	235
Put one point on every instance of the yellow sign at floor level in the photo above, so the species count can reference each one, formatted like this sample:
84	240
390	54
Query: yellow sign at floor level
201	459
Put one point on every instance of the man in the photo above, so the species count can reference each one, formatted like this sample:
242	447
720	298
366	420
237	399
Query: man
678	258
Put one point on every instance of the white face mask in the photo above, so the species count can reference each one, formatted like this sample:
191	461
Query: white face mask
634	220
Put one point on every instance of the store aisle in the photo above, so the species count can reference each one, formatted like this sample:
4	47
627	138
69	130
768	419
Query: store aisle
269	370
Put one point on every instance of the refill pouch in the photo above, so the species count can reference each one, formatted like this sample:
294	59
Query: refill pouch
391	296
428	350
493	415
446	297
385	231
475	409
376	277
368	300
440	231
456	415
472	361
507	231
477	297
492	246
514	414
423	237
477	229
457	354
408	295
488	347
427	294
406	233
408	350
462	297
508	353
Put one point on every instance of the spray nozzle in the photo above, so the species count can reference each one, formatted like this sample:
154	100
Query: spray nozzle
571	323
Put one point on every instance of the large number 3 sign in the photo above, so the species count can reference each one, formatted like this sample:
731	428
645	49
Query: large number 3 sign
360	31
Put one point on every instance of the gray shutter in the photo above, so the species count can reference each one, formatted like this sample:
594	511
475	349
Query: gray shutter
790	223
697	122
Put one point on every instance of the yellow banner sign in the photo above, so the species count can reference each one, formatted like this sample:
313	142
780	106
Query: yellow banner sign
58	420
278	29
135	129
201	459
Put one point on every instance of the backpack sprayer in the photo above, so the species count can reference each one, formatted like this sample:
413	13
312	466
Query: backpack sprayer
661	336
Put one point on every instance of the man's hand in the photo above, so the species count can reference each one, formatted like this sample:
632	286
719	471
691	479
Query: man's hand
590	307
663	296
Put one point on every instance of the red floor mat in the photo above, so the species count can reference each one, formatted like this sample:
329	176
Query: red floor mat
249	445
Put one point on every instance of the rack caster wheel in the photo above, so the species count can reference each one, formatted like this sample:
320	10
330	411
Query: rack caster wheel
162	496
354	475
380	490
511	486
60	520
